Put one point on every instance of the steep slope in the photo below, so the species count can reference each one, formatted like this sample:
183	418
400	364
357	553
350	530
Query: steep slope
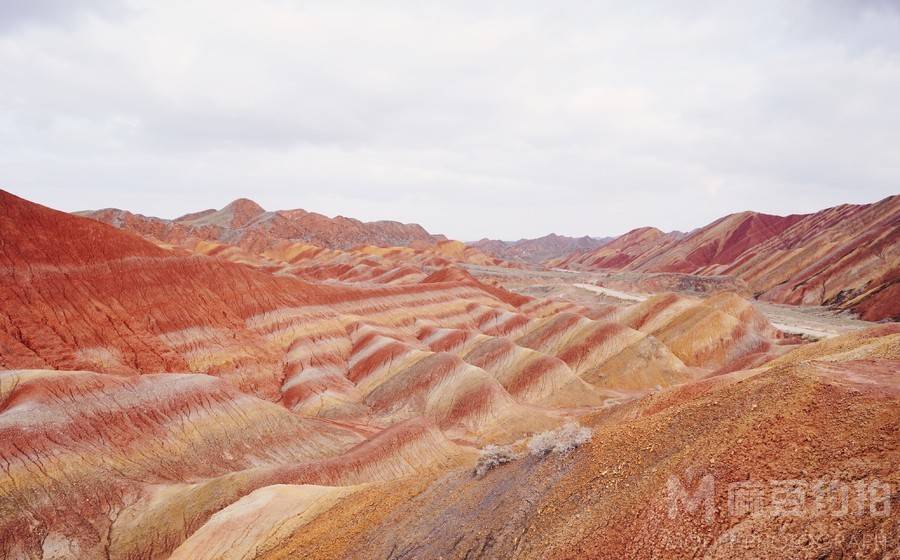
720	242
78	294
847	256
73	289
622	251
453	274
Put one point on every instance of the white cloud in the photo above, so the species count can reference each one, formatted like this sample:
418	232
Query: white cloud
511	120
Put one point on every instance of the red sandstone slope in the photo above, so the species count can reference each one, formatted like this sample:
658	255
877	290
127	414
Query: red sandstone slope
333	411
79	294
847	256
622	251
73	287
721	242
156	455
105	300
246	224
453	274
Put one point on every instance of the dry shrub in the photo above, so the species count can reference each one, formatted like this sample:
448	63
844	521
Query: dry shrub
492	456
560	440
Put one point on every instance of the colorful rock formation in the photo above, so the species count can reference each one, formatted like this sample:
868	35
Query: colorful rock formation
847	256
202	399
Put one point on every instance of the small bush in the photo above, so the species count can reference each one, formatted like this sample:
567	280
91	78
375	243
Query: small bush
560	440
492	456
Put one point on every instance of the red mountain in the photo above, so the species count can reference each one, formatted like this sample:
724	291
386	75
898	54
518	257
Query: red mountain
848	256
164	403
246	224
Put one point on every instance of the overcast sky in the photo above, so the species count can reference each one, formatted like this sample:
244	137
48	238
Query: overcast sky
508	119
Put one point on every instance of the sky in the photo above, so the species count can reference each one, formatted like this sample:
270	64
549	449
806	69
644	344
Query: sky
474	119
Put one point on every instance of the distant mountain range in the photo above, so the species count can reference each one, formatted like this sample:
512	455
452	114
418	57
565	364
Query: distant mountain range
846	256
248	225
541	249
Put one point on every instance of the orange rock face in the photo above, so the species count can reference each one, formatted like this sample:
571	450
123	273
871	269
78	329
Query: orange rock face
847	256
170	393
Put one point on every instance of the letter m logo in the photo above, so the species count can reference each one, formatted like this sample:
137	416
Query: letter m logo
704	494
